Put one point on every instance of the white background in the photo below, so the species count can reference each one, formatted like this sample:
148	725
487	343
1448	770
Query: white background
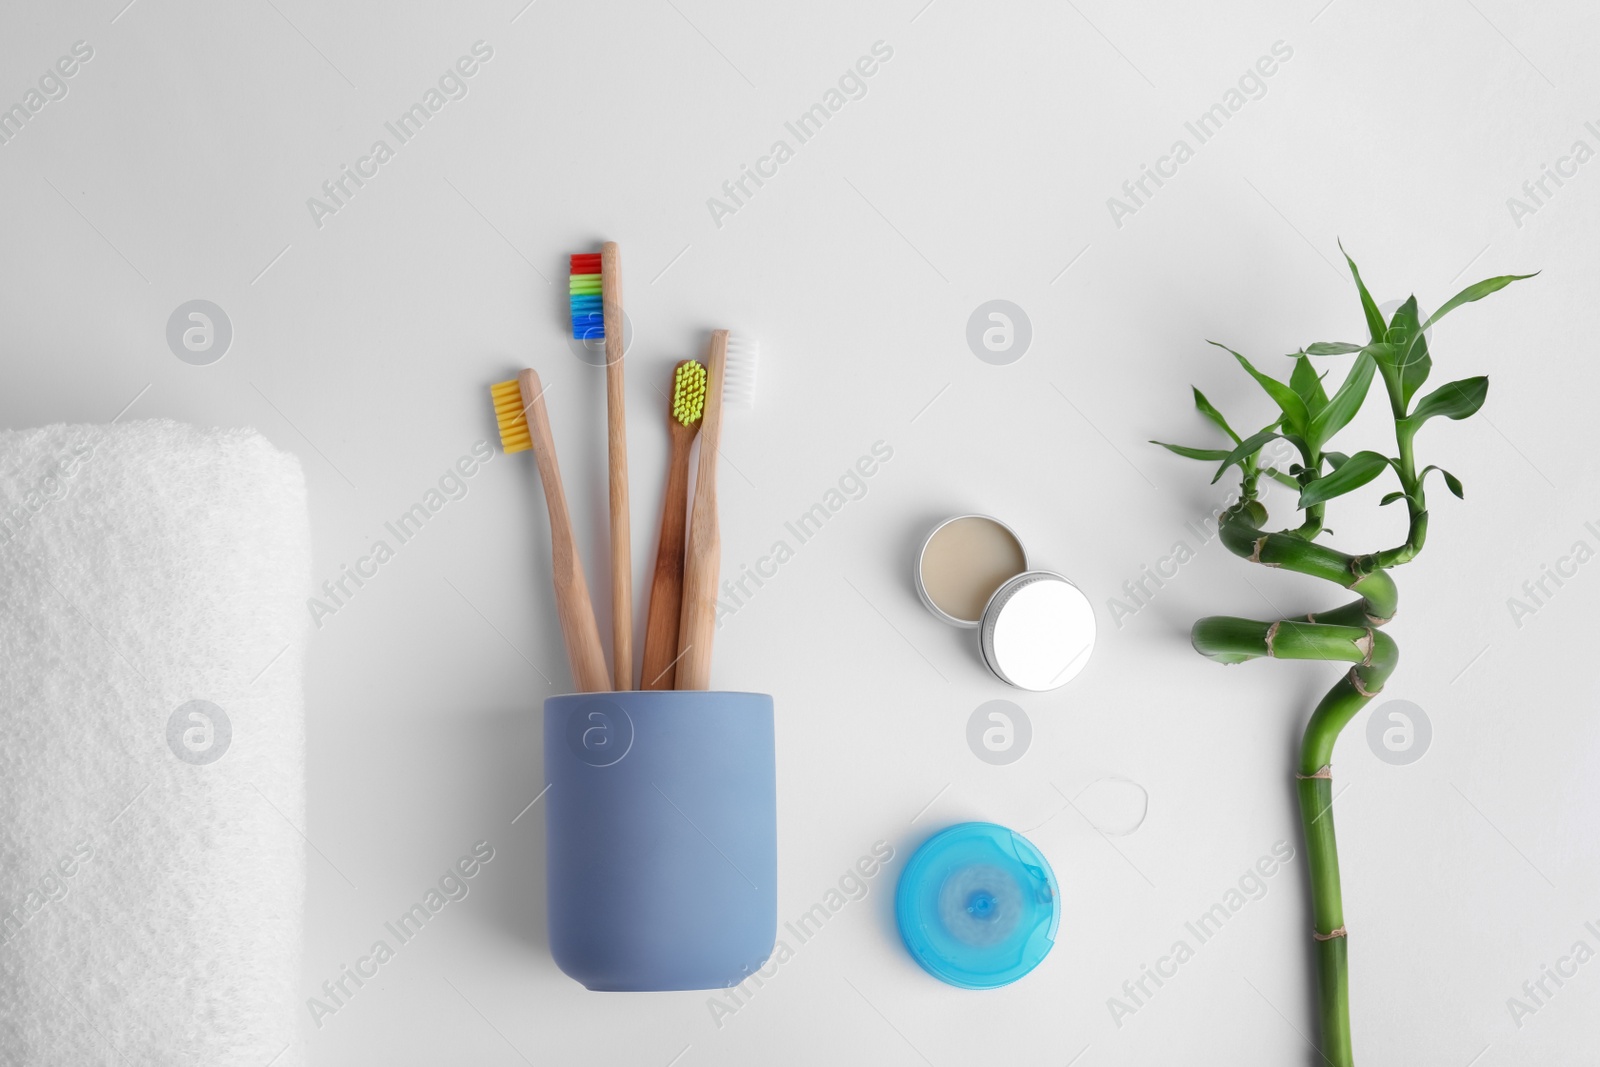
977	166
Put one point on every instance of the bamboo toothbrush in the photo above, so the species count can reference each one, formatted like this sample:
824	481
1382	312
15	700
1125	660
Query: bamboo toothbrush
595	292
730	374
659	669
524	424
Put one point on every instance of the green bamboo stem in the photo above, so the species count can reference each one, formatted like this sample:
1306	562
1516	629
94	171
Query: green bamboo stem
1308	416
1347	634
1286	550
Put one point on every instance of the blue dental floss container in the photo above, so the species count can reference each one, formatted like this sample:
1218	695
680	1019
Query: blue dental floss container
662	837
978	906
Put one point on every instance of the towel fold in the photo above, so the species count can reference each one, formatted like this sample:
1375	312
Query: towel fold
152	746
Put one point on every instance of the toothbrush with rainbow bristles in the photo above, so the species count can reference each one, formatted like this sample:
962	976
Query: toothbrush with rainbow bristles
688	402
595	296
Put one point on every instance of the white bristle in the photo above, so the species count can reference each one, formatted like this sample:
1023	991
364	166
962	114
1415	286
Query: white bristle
739	381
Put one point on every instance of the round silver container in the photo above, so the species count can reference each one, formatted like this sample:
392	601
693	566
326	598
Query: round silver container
922	588
1037	629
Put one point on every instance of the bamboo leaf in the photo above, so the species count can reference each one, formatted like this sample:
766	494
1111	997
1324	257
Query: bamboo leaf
1347	400
1194	453
1353	473
1411	358
1390	498
1244	450
1453	400
1369	307
1285	479
1450	480
1207	409
1295	416
1413	375
1475	291
1307	384
1328	348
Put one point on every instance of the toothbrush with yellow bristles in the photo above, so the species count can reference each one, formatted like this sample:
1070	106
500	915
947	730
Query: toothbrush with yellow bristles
524	424
688	404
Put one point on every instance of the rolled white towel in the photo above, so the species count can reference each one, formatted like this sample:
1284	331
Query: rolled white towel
152	746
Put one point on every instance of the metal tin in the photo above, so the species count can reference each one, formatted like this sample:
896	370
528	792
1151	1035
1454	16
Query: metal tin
922	552
1038	631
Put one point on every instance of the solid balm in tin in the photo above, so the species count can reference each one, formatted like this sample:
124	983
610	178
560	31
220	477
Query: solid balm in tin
962	562
1037	628
978	906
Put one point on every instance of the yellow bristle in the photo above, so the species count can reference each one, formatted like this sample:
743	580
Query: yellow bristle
689	393
511	416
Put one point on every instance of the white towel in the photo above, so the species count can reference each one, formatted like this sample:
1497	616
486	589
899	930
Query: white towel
152	869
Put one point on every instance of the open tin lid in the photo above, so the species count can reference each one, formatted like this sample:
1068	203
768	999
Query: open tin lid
1038	631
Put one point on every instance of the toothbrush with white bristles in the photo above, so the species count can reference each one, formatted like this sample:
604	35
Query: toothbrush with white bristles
730	376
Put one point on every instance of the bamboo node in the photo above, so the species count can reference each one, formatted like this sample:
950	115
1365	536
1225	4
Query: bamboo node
1331	934
1261	542
1355	681
1272	635
1325	772
1364	645
1358	571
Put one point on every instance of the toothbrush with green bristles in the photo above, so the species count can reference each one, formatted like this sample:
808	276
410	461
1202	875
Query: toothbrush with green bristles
688	404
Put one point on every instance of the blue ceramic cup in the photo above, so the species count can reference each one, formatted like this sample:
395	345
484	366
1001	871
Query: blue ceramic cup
662	842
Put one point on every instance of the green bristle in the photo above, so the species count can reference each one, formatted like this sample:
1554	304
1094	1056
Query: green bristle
689	393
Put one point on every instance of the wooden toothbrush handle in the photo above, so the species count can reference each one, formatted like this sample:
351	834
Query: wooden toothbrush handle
617	454
573	607
703	557
659	669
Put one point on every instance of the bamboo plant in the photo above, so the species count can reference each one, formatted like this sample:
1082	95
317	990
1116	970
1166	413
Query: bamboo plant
1307	418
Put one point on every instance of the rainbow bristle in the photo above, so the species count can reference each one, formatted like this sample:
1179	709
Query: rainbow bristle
689	392
588	315
511	416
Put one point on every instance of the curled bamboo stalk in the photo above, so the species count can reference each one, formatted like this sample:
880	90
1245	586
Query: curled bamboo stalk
1307	418
1347	634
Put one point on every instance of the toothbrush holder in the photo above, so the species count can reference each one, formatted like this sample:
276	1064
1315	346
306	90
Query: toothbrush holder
662	837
